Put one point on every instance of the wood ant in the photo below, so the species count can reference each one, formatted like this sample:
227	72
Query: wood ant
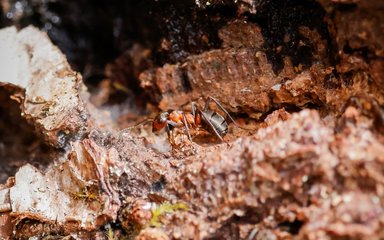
207	119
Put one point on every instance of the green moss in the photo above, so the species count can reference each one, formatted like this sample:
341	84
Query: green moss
165	208
109	233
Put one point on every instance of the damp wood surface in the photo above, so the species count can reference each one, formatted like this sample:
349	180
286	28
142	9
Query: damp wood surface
302	79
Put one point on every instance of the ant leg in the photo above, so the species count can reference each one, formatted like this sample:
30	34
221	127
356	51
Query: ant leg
172	123
221	107
206	106
196	112
186	126
224	110
173	134
194	109
168	130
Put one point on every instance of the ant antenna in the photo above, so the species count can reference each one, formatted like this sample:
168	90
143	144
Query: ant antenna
145	121
186	126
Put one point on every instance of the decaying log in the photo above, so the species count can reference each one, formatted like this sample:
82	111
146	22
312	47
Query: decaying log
75	193
51	92
243	80
307	175
298	171
73	196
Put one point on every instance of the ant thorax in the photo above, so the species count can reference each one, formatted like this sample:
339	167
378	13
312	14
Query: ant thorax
176	116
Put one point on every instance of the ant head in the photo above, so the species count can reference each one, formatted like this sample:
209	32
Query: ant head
160	121
163	117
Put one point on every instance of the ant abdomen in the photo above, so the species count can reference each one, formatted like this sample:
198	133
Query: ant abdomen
216	121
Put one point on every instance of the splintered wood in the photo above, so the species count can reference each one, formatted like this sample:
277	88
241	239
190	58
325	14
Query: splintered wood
75	192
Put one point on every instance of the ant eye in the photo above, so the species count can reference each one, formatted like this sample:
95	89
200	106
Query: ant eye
163	117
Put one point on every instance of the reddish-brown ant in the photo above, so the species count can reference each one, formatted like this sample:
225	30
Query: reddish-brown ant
207	119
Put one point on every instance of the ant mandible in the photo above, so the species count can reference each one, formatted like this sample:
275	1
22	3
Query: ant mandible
207	119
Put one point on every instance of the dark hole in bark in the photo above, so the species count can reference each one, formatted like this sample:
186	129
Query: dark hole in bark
19	144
